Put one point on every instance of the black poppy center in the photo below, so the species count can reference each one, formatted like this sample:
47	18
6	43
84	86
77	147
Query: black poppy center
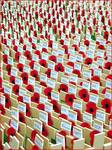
70	99
24	78
43	65
49	93
84	95
106	105
6	100
108	67
59	68
36	99
12	134
34	75
12	81
20	69
17	90
91	110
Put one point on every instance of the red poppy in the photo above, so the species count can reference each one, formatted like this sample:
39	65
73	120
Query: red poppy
94	91
28	112
45	131
50	122
7	100
21	40
52	58
21	117
8	68
63	116
15	48
59	67
70	64
85	124
62	42
56	106
5	58
91	108
48	72
63	87
50	43
108	65
15	89
75	71
33	135
30	88
101	47
84	95
11	132
109	134
2	109
37	52
65	48
92	134
43	62
17	55
34	73
20	67
107	105
88	61
12	79
96	78
69	99
41	107
20	98
24	77
43	83
63	132
47	91
75	47
86	42
106	34
31	64
28	54
109	77
35	147
35	98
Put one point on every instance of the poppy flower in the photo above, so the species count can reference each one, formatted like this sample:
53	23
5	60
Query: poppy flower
85	124
35	147
16	89
2	109
109	77
109	134
30	88
20	98
94	91
24	77
50	43
17	55
62	42
28	112
88	61
43	84
84	95
75	71
65	48
21	117
50	122
48	72
101	47
59	67
108	65
75	47
107	105
31	64
34	73
70	64
91	108
63	116
7	100
35	98
63	87
33	135
43	63
62	132
106	34
92	134
37	52
8	68
96	78
45	131
20	67
21	40
47	92
11	132
52	58
15	48
56	106
28	55
86	42
5	58
12	79
69	99
41	107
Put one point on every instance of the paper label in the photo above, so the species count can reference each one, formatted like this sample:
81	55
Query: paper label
72	89
66	125
77	132
22	59
77	66
109	83
54	74
43	99
95	85
26	69
26	99
51	83
51	65
48	107
65	79
31	80
86	85
73	78
68	70
55	95
43	116
2	100
98	127
7	89
100	115
15	114
77	105
37	88
37	67
39	141
72	115
87	74
18	81
14	124
43	77
44	56
60	139
64	110
87	117
38	125
94	98
22	92
22	108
